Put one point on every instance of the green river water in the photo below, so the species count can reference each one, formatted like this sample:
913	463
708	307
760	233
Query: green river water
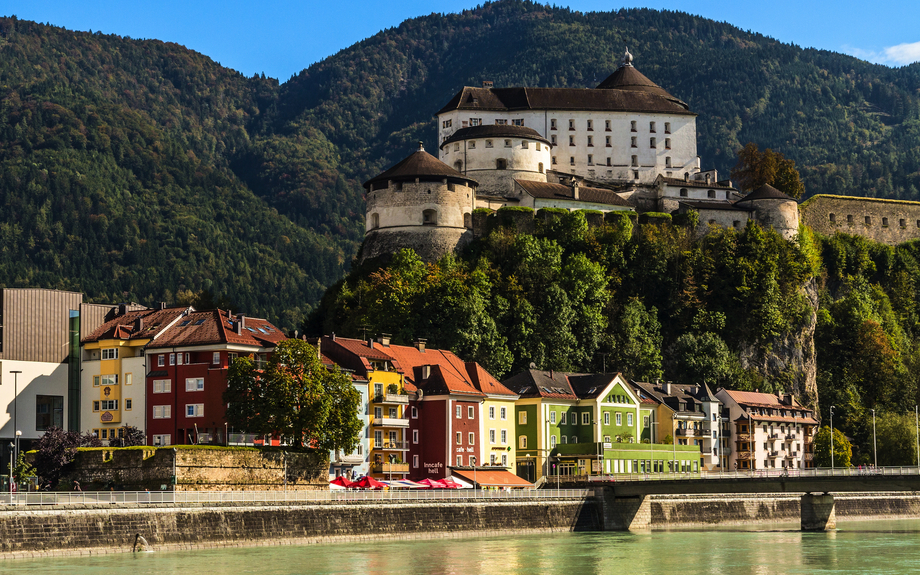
855	547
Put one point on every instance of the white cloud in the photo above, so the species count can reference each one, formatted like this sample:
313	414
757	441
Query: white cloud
903	54
900	55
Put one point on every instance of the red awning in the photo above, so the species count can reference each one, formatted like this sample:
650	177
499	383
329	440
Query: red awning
491	478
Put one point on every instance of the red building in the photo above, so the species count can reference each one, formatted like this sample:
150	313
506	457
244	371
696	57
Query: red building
187	374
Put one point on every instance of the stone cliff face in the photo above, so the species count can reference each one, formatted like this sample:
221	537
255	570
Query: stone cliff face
790	360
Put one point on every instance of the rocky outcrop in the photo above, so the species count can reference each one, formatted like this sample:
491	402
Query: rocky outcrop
789	361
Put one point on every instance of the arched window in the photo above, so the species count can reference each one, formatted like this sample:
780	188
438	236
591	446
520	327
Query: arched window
574	439
375	221
501	164
467	220
430	217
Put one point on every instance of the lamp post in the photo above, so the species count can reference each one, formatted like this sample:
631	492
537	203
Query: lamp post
917	418
11	467
874	448
15	424
832	440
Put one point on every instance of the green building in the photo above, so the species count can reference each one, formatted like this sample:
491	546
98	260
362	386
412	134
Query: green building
588	424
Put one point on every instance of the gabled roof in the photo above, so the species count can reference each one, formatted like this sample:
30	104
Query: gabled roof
420	165
448	375
484	382
137	324
766	192
550	191
491	131
591	385
678	395
215	327
544	384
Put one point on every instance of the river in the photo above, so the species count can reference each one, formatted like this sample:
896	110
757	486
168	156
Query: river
855	547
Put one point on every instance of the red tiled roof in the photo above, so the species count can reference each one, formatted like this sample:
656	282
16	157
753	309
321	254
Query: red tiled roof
484	382
137	324
214	327
448	372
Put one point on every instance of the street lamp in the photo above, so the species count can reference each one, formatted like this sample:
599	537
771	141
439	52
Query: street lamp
874	448
832	440
15	395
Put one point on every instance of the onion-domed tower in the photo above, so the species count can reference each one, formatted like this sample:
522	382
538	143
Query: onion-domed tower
420	203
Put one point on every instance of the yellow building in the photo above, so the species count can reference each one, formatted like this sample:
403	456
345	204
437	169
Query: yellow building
497	422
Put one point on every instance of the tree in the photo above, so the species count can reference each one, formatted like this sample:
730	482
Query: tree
756	168
129	436
56	450
843	451
705	358
896	439
295	395
22	469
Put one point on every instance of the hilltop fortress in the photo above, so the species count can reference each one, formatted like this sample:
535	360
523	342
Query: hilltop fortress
626	145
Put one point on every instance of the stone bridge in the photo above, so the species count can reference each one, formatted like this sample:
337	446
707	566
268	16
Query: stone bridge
626	507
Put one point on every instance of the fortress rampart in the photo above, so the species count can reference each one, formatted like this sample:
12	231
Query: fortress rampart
886	221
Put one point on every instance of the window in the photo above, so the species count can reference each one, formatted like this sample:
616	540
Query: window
629	419
517	122
230	358
459	438
586	418
590	159
607	142
645	422
590	124
606	418
95	406
574	439
619	419
525	144
415	436
194	384
667	127
552	124
491	459
667	143
430	218
562	418
711	194
415	461
414	412
488	143
552	441
634	142
522	418
161	360
180	358
460	460
215	357
129	378
683	192
607	125
378	412
491	436
608	163
552	417
540	167
446	123
564	439
572	160
95	381
458	165
522	442
110	353
538	146
475	121
504	436
571	124
501	164
632	126
194	410
652	142
491	412
472	144
552	139
109	380
49	411
501	122
160	440
868	220
128	405
651	127
635	161
471	438
172	359
503	413
507	143
108	405
162	385
667	162
918	221
470	412
571	140
504	460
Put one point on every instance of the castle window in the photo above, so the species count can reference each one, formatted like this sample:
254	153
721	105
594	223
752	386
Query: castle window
884	221
683	192
518	122
607	125
375	221
651	127
850	220
552	124
458	165
832	217
634	142
552	139
868	220
591	124
475	121
632	126
667	162
540	167
524	144
507	143
590	140
667	143
501	164
488	143
635	174
457	147
571	160
918	221
728	194
711	194
608	162
571	124
590	159
607	141
451	187
635	161
467	221
712	222
537	146
446	123
667	127
430	218
397	186
501	122
902	223
472	144
571	140
736	224
652	142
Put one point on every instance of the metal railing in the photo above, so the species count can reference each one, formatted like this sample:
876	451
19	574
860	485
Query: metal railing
178	498
761	474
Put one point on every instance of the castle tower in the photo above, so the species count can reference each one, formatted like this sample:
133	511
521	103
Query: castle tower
772	208
420	203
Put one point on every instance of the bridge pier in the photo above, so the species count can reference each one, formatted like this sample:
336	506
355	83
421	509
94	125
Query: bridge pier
633	513
818	512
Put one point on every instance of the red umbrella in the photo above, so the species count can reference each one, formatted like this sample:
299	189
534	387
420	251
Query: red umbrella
342	481
450	483
430	484
368	482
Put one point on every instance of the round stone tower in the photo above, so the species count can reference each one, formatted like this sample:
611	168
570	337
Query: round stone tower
498	155
773	208
420	203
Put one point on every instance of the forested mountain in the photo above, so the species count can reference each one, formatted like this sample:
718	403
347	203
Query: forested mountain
137	169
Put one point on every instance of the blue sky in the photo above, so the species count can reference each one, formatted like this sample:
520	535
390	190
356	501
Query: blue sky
282	37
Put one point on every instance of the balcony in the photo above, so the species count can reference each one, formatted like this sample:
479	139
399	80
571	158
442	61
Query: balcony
790	437
792	454
809	456
350	459
391	422
395	398
392	446
745	456
773	454
390	468
773	437
690	432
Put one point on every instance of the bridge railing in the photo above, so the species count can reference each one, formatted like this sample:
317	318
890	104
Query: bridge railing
761	474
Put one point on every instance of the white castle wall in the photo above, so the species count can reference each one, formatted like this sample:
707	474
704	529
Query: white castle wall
404	204
478	159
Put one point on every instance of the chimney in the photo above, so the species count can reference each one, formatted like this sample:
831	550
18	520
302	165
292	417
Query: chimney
370	343
487	84
162	305
240	323
138	324
385	339
420	344
122	309
574	188
229	314
426	371
667	387
787	398
333	336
